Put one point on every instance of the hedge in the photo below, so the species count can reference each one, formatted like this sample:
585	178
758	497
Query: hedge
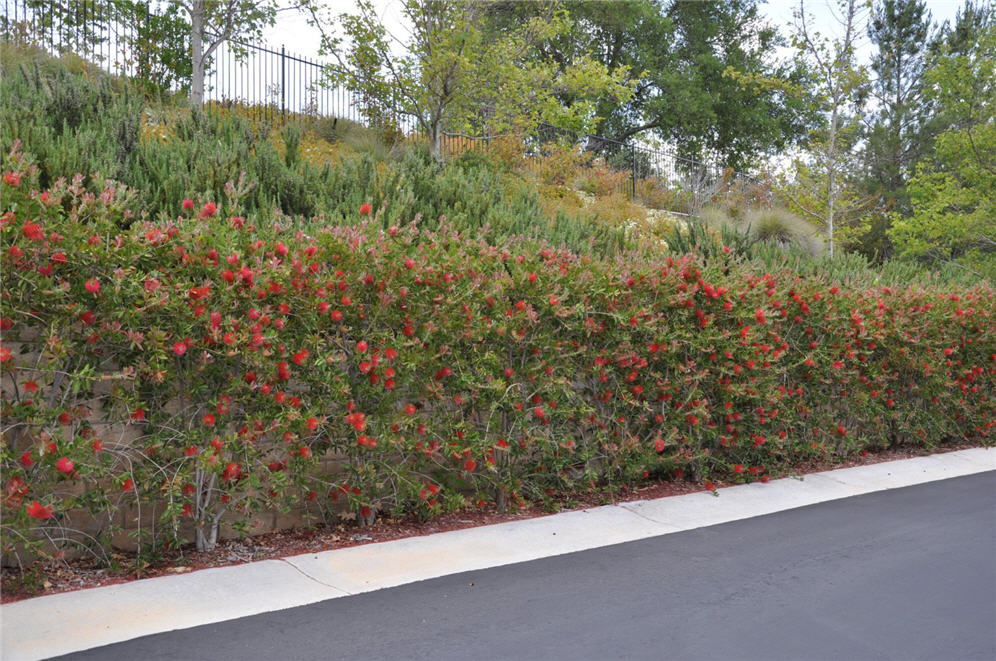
211	366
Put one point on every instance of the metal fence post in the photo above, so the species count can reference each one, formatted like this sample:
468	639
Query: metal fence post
632	149
283	80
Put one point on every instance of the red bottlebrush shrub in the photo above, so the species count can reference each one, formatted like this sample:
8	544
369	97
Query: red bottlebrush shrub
218	364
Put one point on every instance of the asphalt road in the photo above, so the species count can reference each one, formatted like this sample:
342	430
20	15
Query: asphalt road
902	574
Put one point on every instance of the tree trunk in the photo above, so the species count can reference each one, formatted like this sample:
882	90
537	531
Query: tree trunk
832	176
435	142
197	53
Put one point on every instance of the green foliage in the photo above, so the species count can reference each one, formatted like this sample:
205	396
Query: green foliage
70	124
954	192
454	76
707	80
897	137
207	365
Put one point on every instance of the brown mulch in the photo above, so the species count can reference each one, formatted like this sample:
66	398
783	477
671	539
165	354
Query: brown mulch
63	575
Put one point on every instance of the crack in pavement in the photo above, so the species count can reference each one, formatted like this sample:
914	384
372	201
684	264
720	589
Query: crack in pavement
312	578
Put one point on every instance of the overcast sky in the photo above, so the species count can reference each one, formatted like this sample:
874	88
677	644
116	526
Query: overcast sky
293	31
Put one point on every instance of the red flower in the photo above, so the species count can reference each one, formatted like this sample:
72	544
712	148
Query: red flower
128	485
361	346
470	464
365	209
738	468
231	472
65	465
312	424
210	208
138	415
93	286
410	409
179	348
39	511
187	205
304	452
12	178
710	486
26	460
208	420
33	231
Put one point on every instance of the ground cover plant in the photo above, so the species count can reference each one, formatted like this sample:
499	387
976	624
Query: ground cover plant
85	122
188	370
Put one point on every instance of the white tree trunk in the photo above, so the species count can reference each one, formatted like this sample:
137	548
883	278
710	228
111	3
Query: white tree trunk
197	53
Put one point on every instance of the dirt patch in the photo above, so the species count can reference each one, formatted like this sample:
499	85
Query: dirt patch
59	575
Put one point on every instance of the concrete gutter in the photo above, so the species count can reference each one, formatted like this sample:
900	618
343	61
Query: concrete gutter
61	623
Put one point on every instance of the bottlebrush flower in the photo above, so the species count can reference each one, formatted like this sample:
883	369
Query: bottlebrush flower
33	231
138	415
187	205
179	348
65	465
361	346
93	286
128	484
39	511
208	420
209	209
365	209
12	178
232	472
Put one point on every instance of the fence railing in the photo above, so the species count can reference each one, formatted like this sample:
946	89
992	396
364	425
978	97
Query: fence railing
140	41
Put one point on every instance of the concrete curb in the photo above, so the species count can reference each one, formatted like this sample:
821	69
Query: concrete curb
62	623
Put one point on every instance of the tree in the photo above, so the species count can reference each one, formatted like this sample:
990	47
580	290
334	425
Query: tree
706	80
453	76
214	22
971	21
954	191
900	29
839	94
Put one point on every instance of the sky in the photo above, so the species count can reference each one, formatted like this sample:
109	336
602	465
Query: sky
293	31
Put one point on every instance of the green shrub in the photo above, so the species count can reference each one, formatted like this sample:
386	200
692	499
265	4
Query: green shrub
245	352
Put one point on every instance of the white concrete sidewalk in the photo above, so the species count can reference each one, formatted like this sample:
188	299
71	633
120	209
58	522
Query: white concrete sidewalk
58	624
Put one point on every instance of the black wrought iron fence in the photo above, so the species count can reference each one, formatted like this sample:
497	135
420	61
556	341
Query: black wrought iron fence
141	41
